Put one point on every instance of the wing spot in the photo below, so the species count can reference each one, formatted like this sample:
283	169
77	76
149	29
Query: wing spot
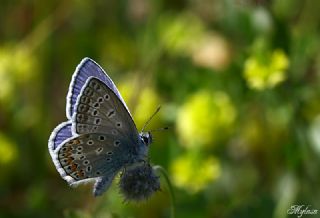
75	175
90	142
89	168
74	167
99	150
94	113
88	92
95	85
64	148
109	153
100	99
114	132
82	108
111	113
86	162
107	97
82	157
96	105
76	141
79	117
118	124
98	173
97	121
116	143
79	148
68	169
81	173
62	155
102	138
109	159
85	100
64	160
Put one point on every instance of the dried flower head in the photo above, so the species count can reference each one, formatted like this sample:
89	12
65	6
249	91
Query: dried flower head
139	182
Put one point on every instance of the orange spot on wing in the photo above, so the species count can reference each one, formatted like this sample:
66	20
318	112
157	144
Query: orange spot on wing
73	167
76	142
80	173
70	160
69	149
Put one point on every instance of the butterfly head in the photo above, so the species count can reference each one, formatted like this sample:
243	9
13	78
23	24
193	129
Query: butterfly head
146	137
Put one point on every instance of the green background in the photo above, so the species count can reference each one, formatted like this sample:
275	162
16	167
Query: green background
238	82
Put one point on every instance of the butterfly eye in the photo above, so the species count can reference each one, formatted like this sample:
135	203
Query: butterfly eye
145	140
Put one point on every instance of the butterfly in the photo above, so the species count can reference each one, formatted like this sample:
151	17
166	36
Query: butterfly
100	138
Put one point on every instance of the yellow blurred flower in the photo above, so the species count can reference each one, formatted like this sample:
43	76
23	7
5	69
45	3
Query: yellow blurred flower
8	150
262	74
204	118
17	66
194	173
146	101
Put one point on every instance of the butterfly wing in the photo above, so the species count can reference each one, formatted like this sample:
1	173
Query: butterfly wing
101	137
99	110
102	184
87	68
58	135
91	156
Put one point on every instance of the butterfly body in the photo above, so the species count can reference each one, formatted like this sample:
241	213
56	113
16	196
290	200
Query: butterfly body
100	137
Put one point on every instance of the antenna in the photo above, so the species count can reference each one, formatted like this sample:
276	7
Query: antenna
148	121
159	129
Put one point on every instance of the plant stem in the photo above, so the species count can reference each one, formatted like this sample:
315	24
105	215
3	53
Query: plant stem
161	170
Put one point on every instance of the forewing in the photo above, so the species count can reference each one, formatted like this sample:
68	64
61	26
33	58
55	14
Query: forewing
87	68
91	156
99	110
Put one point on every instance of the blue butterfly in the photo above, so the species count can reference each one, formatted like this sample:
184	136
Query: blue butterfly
100	138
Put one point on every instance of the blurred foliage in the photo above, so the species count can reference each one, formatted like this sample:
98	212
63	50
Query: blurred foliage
238	81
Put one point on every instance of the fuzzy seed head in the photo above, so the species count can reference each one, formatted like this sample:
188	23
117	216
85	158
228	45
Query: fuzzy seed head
139	182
